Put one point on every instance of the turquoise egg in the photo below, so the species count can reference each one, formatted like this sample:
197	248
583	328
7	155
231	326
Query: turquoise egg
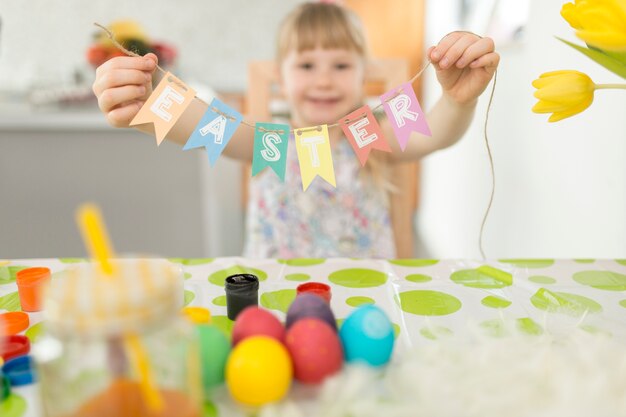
367	336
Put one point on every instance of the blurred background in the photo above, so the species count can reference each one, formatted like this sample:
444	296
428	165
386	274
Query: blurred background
560	188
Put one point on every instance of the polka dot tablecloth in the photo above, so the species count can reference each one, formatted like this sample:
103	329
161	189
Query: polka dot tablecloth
423	298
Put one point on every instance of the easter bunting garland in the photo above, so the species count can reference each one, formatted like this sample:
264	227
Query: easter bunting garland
218	124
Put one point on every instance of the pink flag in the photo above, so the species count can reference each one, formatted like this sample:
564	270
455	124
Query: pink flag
404	113
363	133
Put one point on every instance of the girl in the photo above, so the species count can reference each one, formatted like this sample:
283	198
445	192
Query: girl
322	57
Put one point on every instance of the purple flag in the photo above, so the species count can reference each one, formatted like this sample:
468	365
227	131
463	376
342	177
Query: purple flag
404	113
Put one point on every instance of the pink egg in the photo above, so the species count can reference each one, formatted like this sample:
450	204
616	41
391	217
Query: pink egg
315	350
255	321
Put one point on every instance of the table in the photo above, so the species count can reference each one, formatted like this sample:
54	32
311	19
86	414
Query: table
423	298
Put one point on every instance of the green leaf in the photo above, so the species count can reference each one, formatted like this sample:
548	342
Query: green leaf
609	62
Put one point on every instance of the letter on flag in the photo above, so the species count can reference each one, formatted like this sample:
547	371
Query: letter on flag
270	148
404	113
214	129
313	147
165	105
364	133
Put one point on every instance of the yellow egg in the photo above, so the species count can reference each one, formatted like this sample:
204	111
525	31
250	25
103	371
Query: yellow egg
259	371
197	315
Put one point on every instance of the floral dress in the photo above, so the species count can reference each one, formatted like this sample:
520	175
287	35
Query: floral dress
351	220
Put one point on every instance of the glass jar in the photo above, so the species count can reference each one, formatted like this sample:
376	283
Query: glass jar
117	345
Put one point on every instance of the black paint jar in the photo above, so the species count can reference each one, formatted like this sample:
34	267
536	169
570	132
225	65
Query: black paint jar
242	290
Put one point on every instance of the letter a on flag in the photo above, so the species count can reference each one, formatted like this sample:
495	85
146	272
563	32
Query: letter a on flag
404	113
164	106
214	129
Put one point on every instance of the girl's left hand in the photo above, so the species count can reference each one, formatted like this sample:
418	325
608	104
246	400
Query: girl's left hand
465	64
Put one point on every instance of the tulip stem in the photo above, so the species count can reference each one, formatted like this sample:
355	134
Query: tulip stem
608	86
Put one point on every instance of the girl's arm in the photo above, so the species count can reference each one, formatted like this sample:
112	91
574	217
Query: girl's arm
465	64
122	86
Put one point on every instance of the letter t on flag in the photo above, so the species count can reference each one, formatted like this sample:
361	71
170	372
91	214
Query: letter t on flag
404	113
314	155
214	129
165	105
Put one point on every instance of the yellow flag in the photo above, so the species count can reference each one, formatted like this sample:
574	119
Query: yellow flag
313	146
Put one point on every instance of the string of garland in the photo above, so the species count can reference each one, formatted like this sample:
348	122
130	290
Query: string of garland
348	121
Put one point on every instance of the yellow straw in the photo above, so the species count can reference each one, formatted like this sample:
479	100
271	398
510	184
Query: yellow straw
95	236
97	242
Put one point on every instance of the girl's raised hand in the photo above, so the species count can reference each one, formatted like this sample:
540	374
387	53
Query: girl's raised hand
465	64
122	86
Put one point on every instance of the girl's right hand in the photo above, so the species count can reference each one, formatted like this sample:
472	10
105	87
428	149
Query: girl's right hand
122	86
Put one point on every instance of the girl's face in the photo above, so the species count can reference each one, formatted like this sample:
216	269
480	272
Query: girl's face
322	85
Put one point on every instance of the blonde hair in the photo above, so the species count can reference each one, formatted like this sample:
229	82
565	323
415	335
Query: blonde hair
329	26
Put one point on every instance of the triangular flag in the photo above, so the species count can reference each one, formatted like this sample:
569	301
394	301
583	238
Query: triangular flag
270	148
165	105
364	133
214	129
313	146
404	113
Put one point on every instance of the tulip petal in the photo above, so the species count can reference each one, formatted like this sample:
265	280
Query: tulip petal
544	106
571	112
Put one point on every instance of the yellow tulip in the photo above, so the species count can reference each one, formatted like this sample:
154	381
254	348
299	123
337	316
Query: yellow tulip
563	93
600	23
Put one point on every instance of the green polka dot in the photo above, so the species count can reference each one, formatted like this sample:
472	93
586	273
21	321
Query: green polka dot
8	273
561	302
218	277
358	278
209	409
542	279
435	332
428	303
495	302
529	326
302	261
595	330
187	275
396	330
189	296
602	280
224	324
220	301
297	277
358	301
418	278
72	260
34	332
623	303
10	302
585	261
13	406
621	261
278	300
498	328
191	261
529	263
483	277
413	262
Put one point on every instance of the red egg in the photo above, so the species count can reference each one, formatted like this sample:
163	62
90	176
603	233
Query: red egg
255	321
315	350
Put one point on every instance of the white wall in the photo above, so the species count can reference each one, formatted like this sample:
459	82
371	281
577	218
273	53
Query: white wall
561	188
44	41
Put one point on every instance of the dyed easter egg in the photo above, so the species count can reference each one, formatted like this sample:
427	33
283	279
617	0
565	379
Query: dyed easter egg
310	306
367	336
259	371
315	350
214	350
255	321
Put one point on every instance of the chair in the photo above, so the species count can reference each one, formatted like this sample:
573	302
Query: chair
382	75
